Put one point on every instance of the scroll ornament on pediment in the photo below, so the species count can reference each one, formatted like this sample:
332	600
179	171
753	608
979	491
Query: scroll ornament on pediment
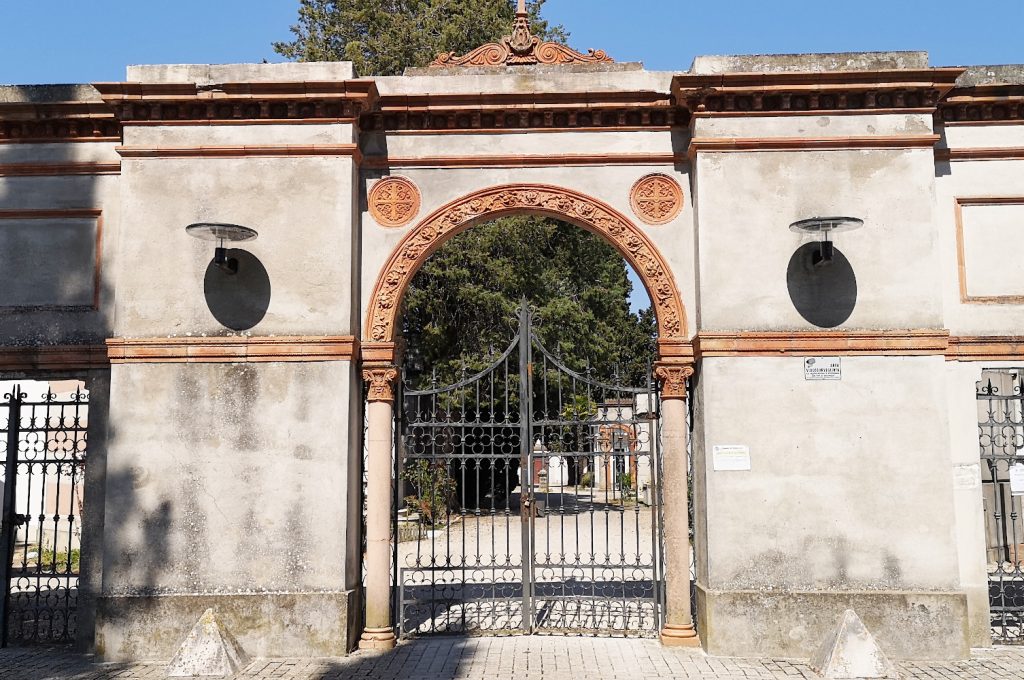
521	48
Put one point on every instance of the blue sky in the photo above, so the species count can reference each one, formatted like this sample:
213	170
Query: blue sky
78	41
50	41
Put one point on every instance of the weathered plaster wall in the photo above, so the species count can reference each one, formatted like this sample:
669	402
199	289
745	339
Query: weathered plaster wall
301	208
47	323
849	502
746	202
227	486
976	179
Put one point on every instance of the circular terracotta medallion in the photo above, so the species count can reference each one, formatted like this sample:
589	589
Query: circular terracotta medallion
656	199
394	201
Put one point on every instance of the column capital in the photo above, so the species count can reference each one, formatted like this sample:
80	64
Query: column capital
380	382
673	379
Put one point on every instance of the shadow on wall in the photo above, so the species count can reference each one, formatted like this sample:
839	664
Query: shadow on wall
238	301
825	294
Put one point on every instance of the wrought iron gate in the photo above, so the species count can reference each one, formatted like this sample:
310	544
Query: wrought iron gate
1001	439
43	444
529	458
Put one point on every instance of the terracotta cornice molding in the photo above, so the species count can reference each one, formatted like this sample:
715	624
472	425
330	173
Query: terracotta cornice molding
240	151
770	93
53	358
983	104
725	144
260	101
915	342
986	348
998	153
59	169
57	122
380	352
484	117
232	349
522	161
539	199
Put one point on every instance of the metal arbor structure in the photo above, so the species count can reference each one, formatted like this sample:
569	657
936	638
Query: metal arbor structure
1000	396
528	501
44	453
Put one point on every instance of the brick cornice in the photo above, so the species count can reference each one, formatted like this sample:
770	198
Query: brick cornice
232	349
915	342
23	122
725	144
283	102
771	93
986	348
53	358
240	151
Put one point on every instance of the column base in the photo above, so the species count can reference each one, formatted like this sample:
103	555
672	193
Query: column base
676	635
377	639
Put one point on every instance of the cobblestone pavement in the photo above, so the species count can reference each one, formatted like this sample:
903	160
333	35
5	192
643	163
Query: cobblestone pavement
522	658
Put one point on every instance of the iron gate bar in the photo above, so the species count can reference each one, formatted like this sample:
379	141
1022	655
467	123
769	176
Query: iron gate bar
8	523
45	447
1001	443
464	441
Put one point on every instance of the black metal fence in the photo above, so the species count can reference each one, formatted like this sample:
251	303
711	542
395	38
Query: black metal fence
1001	439
530	501
43	444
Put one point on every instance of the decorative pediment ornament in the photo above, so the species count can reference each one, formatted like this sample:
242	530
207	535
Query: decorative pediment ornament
522	47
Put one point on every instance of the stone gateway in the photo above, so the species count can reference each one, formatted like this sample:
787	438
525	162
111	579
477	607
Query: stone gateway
230	412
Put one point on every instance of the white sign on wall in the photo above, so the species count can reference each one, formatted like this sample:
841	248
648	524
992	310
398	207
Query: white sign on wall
823	368
967	476
731	457
1017	479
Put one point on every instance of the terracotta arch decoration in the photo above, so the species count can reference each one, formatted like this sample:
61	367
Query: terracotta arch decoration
539	199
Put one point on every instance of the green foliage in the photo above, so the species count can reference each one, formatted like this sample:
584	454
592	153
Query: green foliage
626	484
587	480
435	490
465	297
383	37
59	562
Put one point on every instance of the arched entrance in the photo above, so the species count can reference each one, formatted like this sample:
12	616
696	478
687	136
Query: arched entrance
380	370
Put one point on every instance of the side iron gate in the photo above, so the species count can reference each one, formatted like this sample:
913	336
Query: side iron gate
528	502
42	442
1001	439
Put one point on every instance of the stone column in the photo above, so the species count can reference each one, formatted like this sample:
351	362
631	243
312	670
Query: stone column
679	628
378	632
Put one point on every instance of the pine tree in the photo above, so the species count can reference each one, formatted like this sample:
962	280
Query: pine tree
383	37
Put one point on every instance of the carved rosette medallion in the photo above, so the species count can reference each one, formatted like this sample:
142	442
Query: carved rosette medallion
673	379
540	199
394	201
656	199
380	382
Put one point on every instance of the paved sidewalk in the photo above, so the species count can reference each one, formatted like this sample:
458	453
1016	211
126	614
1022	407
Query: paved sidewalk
522	658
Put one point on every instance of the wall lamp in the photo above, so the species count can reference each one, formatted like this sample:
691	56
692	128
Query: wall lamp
221	233
824	227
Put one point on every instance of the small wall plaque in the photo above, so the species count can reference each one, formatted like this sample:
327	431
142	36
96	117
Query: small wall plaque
823	368
1017	479
731	457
